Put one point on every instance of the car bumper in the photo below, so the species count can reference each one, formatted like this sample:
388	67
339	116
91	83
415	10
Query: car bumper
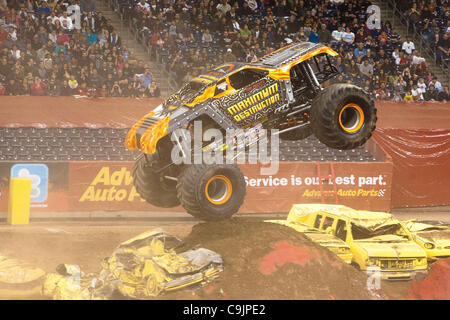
399	275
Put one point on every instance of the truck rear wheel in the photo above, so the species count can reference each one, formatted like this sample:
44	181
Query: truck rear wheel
211	192
151	186
343	116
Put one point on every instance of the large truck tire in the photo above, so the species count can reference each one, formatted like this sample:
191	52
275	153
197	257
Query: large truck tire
343	116
211	192
151	186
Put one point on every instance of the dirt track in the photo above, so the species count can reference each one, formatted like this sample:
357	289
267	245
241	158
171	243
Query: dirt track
46	244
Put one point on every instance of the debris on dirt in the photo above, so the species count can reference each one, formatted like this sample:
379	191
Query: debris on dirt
142	267
19	279
271	261
436	286
70	283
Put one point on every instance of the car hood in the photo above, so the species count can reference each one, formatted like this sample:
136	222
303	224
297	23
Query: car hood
440	238
392	250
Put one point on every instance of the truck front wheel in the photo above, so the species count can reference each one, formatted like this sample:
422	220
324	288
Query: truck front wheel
211	192
153	187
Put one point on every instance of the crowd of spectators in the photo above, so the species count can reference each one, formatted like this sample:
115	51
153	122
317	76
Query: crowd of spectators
45	49
62	48
430	17
191	36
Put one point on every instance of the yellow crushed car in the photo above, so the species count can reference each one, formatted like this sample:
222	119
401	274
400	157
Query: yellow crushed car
378	241
432	236
19	279
144	266
148	265
329	241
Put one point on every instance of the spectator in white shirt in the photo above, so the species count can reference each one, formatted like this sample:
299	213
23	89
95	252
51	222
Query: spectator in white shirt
421	85
416	93
15	52
396	54
52	17
437	85
415	60
408	46
66	22
12	34
251	56
348	36
236	27
336	35
143	5
223	7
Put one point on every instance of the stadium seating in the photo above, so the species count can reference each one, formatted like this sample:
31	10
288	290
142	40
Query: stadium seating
106	144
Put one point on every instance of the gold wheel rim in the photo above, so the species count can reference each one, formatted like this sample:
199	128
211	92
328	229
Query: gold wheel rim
351	118
218	189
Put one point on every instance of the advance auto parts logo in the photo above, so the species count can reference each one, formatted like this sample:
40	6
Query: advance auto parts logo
111	186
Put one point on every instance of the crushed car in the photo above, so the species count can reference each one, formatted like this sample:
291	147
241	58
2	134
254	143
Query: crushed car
432	236
286	90
19	279
379	243
142	267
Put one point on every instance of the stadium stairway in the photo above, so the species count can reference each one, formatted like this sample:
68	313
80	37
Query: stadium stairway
129	39
387	15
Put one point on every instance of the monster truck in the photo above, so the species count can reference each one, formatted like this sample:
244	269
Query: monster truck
286	89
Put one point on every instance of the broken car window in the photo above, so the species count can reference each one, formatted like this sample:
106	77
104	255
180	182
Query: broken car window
317	222
245	77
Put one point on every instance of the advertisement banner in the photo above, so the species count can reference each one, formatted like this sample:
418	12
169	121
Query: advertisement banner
108	186
104	186
358	185
49	184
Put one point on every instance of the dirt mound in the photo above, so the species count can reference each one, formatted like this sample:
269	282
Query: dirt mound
436	286
270	261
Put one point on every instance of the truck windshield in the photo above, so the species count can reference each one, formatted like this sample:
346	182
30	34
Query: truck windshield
245	77
323	68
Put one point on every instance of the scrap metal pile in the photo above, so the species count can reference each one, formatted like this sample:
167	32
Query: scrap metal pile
144	266
19	279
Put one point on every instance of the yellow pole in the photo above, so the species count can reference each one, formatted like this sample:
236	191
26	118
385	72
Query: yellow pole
19	201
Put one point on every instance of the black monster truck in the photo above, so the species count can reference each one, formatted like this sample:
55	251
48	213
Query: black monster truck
285	90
